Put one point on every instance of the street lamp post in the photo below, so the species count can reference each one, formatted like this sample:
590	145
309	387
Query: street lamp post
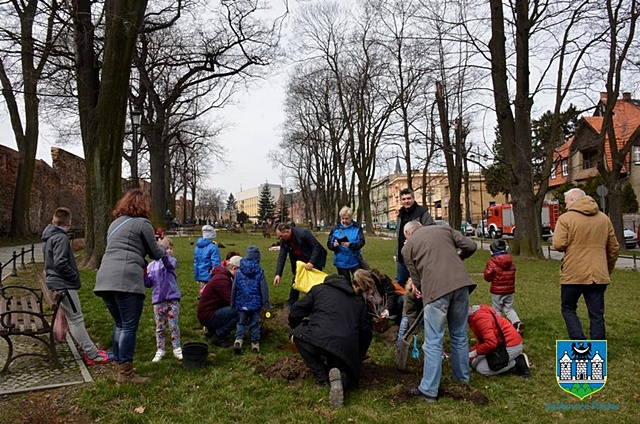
291	205
135	124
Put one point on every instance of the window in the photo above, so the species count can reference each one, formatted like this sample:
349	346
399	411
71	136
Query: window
636	155
554	169
589	159
565	168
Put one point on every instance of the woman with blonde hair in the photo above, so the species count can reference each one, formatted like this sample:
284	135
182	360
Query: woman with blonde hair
120	279
345	240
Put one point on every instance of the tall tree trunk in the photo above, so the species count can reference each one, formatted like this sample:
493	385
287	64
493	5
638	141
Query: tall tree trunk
102	97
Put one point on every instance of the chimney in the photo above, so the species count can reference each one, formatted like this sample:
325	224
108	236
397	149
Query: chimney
603	96
626	96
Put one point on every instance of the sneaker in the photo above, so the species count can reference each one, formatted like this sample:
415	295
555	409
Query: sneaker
418	393
336	391
102	357
522	366
177	353
519	327
255	347
159	355
237	347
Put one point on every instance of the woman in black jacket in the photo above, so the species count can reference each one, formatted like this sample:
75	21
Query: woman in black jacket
334	337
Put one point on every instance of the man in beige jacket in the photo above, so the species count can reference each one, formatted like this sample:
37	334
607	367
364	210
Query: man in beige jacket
586	237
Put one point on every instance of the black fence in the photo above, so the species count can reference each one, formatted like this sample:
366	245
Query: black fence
14	261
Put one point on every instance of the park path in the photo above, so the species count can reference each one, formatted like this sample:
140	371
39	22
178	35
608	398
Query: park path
6	254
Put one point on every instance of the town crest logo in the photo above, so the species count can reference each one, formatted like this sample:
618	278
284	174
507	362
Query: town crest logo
581	366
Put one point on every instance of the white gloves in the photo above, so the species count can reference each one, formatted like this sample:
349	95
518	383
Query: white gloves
385	314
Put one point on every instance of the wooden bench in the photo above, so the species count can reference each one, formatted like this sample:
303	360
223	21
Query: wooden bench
22	314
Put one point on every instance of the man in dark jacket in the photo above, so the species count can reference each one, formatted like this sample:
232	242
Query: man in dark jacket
300	245
214	307
410	211
337	329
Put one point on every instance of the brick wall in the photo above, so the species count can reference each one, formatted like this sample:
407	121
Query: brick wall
62	184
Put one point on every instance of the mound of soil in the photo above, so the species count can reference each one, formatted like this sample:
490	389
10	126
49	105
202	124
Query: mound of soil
289	368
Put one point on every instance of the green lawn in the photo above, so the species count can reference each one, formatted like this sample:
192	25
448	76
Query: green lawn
229	389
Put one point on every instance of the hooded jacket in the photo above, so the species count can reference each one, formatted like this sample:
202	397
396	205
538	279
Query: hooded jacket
590	247
250	291
205	256
337	321
61	271
215	295
161	275
129	240
346	257
484	327
501	273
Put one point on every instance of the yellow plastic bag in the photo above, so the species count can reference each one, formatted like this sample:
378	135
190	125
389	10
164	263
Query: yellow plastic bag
306	279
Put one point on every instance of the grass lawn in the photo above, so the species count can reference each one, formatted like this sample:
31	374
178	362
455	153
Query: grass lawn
230	389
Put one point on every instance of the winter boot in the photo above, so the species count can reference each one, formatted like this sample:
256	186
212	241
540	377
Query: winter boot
126	374
336	390
522	366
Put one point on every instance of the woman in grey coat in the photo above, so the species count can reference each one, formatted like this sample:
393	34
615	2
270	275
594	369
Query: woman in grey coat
120	279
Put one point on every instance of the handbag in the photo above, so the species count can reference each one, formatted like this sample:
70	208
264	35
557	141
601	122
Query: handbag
499	358
305	279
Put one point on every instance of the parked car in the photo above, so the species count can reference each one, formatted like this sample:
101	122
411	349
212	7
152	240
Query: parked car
469	231
482	230
630	239
440	222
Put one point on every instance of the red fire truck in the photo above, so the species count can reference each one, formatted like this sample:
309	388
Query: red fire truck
500	220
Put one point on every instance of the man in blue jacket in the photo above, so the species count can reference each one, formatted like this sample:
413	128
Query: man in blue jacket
300	245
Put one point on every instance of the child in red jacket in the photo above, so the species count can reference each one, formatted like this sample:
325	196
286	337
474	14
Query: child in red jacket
501	273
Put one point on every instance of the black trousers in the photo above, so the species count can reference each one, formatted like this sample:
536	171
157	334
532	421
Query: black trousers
319	362
594	298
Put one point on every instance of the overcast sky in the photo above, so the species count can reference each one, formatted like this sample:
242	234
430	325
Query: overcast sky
255	117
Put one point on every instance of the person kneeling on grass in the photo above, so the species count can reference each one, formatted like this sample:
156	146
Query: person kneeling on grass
332	333
482	321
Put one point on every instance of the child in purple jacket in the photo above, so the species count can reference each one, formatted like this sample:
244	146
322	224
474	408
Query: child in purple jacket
161	275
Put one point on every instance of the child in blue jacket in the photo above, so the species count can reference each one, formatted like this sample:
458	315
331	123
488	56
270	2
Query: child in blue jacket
249	295
205	256
161	275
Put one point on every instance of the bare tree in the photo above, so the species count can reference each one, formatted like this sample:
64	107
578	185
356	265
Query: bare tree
27	37
191	67
102	72
622	20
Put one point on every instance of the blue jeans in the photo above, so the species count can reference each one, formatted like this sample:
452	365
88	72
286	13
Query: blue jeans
594	298
252	320
222	322
126	309
402	273
454	309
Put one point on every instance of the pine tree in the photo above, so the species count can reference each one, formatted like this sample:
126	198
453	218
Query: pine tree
266	204
231	203
629	199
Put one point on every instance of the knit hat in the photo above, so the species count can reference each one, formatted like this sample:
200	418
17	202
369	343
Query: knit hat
253	253
235	261
498	246
208	232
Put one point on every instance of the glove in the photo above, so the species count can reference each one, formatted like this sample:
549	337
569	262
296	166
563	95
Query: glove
385	314
473	355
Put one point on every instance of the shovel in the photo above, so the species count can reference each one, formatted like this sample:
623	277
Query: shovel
402	351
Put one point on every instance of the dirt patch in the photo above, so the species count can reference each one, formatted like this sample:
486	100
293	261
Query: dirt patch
289	368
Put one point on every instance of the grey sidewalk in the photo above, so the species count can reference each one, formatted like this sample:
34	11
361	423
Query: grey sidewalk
29	373
6	254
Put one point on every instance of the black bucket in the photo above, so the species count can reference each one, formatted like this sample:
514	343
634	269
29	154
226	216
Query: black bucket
194	355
